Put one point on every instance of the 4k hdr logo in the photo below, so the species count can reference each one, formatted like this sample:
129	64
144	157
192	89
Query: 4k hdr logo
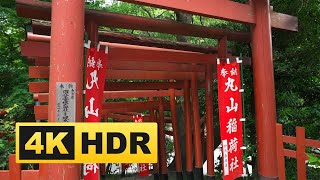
86	142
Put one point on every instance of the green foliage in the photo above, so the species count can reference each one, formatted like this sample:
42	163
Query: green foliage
15	98
6	143
313	160
13	68
296	69
297	74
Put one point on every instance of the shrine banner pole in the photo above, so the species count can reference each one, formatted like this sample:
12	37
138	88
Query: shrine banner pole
264	91
66	66
245	155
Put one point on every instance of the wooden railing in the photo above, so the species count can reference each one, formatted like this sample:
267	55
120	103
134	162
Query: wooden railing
15	172
300	153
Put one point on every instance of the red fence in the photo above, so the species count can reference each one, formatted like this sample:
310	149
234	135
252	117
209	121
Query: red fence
301	143
15	172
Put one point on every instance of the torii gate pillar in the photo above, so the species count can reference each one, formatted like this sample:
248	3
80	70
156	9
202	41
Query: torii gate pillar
264	91
66	65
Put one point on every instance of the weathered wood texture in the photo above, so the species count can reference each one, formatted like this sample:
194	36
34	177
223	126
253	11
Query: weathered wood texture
222	9
42	11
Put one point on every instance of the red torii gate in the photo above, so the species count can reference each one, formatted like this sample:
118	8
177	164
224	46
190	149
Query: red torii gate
66	51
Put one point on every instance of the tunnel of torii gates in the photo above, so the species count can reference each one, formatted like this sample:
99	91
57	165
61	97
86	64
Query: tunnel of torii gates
56	49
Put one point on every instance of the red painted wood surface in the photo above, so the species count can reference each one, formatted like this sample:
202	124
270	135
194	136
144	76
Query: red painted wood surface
27	8
43	87
4	174
301	143
91	28
66	65
143	105
155	66
222	9
15	172
30	175
43	97
39	87
301	153
124	117
222	48
39	72
188	127
153	118
145	66
196	123
39	28
162	141
43	72
280	153
209	8
313	143
209	121
38	61
43	171
41	111
150	75
119	52
176	140
264	91
14	168
35	49
290	153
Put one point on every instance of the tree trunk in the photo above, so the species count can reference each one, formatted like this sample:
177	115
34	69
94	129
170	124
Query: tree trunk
183	18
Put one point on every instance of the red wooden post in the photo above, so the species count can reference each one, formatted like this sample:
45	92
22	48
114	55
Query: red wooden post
209	122
162	142
154	119
196	128
301	153
280	153
92	30
188	129
43	171
175	130
102	168
4	174
29	174
123	170
264	91
14	168
222	47
66	65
